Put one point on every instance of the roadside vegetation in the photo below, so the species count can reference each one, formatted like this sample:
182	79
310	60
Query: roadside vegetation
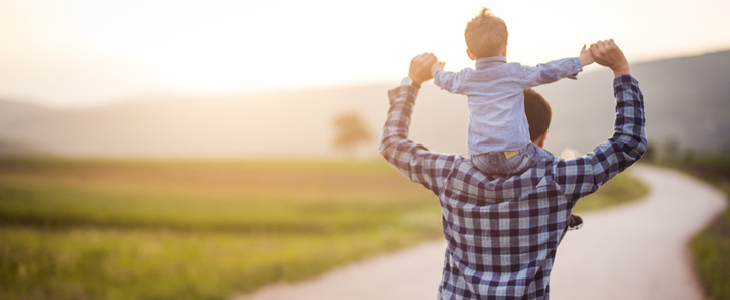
711	248
104	229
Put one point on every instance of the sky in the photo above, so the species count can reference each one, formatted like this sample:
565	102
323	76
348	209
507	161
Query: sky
76	53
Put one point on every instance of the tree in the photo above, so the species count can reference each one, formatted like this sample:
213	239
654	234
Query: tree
350	132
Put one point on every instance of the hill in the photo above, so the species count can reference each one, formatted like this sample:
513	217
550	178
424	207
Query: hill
686	103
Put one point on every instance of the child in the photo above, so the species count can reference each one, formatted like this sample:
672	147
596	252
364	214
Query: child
498	136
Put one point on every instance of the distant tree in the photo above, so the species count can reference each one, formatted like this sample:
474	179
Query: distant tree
350	132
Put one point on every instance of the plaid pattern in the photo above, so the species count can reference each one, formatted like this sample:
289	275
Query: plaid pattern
503	233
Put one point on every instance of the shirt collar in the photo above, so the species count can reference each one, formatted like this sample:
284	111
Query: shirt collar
484	62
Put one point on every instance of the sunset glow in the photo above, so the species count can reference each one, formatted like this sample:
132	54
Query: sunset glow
75	52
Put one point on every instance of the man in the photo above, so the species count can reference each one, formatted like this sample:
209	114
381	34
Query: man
503	232
539	115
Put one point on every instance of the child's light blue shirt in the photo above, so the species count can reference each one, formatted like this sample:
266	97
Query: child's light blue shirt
497	119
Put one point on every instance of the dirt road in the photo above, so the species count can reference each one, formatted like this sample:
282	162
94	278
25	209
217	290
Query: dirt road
635	251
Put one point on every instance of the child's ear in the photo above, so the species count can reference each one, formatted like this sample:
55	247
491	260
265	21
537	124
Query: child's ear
504	50
471	56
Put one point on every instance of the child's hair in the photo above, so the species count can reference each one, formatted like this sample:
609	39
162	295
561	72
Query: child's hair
485	34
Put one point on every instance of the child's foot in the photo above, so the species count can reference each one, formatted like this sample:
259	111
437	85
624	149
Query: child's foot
575	222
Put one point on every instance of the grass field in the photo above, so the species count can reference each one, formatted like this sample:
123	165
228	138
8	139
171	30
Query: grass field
711	247
101	229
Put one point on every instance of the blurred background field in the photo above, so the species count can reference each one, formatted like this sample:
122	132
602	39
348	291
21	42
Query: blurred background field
126	94
126	229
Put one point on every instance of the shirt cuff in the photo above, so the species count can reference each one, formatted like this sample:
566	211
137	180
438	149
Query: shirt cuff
624	82
577	68
436	78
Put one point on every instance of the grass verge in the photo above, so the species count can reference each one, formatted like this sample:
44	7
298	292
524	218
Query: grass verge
621	189
711	248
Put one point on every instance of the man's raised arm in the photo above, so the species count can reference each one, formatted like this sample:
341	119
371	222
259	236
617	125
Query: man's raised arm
584	175
410	158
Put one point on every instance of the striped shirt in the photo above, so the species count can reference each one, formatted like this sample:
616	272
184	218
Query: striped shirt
503	233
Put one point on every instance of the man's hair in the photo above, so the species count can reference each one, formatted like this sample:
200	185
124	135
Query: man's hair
538	112
485	34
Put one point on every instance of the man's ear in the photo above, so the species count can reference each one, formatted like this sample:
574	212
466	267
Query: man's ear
540	140
471	56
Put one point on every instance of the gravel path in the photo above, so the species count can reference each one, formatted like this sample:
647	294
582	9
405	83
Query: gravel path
635	251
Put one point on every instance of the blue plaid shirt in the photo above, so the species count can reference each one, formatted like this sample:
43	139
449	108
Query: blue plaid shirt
503	233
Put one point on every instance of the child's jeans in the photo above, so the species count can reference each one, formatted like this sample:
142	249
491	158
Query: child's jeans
497	163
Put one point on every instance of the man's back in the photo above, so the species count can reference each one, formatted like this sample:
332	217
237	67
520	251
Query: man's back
503	233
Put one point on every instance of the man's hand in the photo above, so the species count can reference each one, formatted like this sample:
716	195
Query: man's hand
606	53
586	58
437	66
420	68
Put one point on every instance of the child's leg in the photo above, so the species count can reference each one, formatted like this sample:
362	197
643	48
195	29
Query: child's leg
490	163
575	222
538	154
497	162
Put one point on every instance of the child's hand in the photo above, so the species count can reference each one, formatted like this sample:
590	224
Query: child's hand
586	58
437	66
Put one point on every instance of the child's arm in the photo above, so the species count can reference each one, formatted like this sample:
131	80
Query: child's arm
449	81
556	70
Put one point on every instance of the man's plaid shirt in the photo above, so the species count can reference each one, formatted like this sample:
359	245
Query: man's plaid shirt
503	233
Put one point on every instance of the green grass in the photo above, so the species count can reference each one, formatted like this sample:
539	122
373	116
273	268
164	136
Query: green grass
101	229
236	196
90	263
711	248
619	190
